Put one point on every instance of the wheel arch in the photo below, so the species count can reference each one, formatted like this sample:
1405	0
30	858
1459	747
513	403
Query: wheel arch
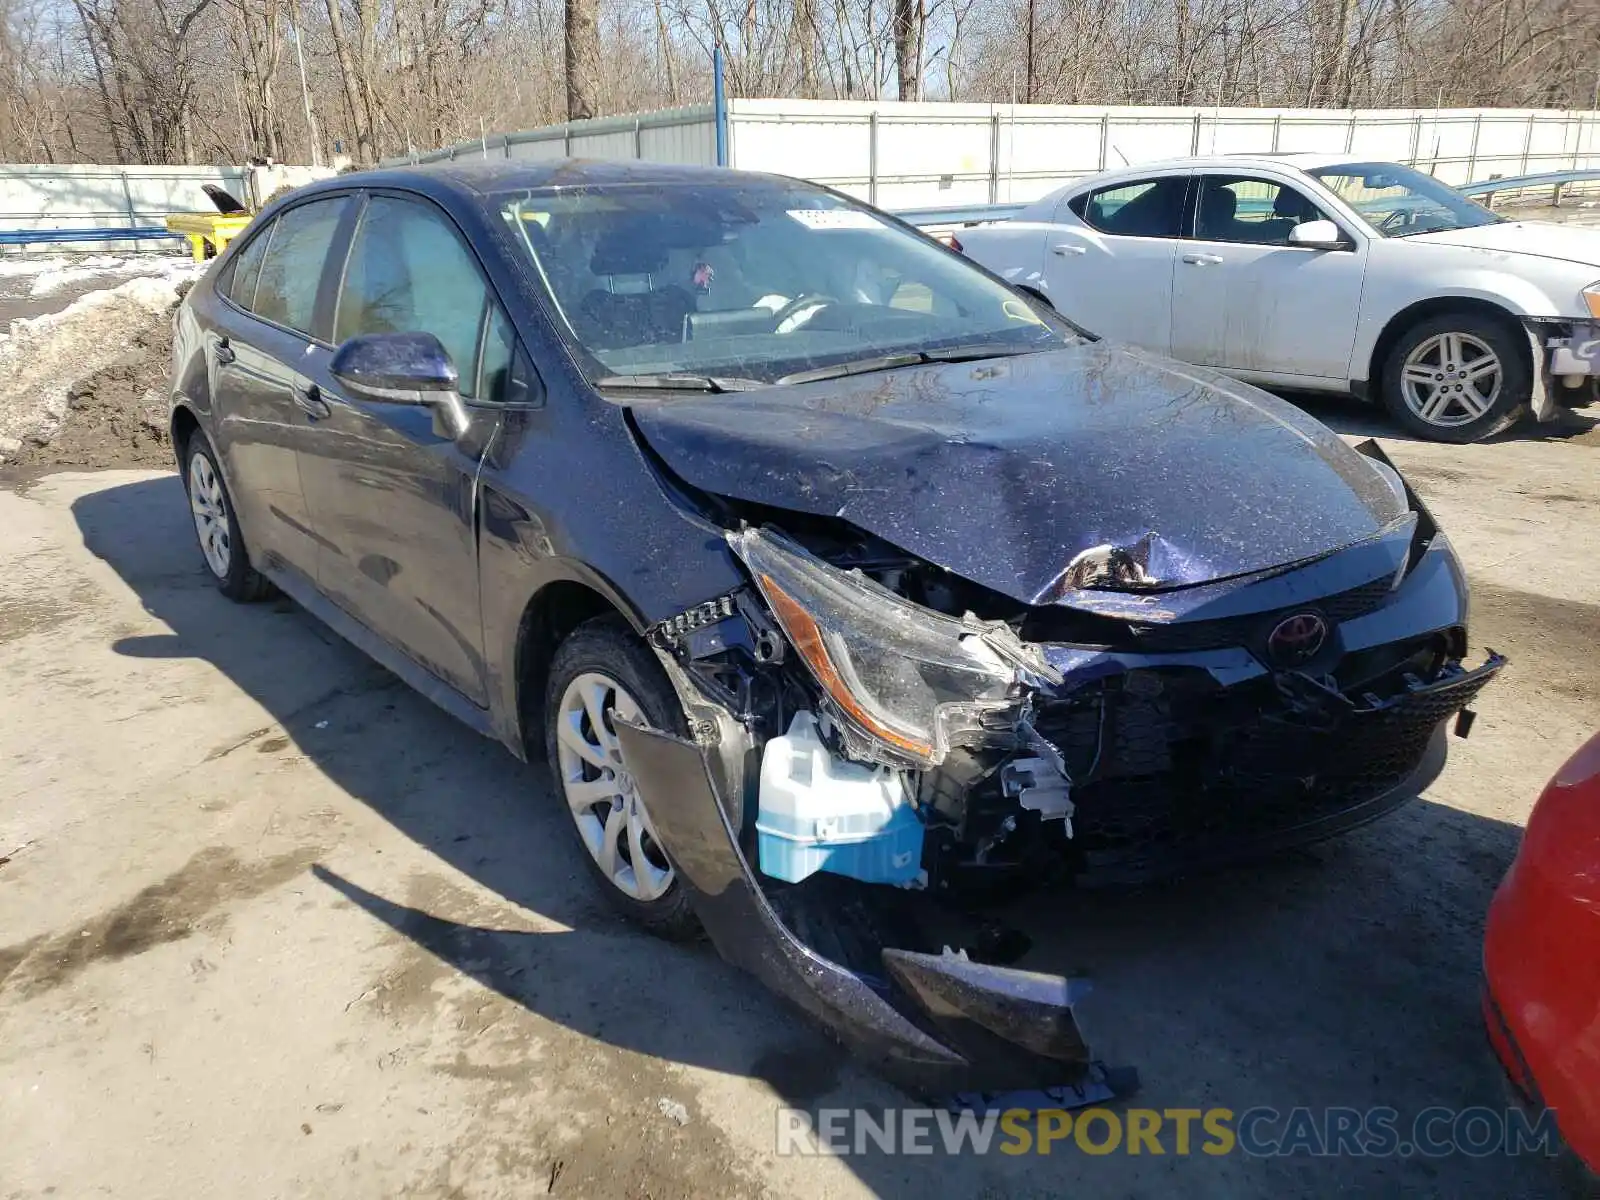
1434	306
550	615
184	422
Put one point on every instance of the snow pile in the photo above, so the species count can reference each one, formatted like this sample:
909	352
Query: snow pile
59	276
46	357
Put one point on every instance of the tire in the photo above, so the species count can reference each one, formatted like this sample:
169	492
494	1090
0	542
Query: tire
1427	383
603	666
216	527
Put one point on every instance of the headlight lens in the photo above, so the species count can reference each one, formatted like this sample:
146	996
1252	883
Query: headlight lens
1591	297
910	679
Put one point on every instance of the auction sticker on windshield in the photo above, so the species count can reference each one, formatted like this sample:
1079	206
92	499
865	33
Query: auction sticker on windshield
834	218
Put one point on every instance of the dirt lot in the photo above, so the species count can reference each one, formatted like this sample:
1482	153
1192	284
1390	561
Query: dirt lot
272	925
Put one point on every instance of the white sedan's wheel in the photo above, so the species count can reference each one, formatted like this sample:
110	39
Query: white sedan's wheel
210	508
1458	376
1451	379
600	791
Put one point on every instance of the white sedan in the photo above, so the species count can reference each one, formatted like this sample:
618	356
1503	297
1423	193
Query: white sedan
1313	272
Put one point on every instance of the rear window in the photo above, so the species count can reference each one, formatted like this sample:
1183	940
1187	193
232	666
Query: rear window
1143	208
246	270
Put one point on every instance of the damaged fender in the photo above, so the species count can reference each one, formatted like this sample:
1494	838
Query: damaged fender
952	1026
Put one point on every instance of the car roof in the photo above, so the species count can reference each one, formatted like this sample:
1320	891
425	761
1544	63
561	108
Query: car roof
1307	161
483	176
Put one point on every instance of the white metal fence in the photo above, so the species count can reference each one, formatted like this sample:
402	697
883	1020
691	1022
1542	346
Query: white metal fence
915	155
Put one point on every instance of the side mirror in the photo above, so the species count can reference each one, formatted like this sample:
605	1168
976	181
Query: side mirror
1318	235
403	368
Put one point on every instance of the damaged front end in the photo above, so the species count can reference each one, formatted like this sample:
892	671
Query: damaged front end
880	748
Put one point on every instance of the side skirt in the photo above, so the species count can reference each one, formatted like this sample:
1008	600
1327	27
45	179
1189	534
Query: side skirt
300	590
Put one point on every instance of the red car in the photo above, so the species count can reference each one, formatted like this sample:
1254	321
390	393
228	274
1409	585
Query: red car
1541	961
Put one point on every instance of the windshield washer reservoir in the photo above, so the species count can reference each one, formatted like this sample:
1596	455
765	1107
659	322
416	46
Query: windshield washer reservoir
818	812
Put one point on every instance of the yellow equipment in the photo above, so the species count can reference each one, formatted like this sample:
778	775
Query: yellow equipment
208	233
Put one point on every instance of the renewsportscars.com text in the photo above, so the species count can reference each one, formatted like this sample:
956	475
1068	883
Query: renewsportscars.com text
1260	1132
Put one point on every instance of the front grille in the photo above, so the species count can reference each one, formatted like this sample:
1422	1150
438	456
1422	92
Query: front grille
1183	771
1186	636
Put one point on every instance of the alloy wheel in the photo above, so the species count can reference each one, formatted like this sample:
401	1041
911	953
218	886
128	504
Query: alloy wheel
210	508
600	791
1451	379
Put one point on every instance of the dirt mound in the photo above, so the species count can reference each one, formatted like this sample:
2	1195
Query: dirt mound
116	417
85	387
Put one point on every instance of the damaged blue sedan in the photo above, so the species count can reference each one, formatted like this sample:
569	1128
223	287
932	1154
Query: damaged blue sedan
845	591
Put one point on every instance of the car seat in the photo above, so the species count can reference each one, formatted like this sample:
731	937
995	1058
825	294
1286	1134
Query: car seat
1219	209
632	310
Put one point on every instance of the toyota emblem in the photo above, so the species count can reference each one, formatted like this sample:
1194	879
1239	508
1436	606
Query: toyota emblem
1295	640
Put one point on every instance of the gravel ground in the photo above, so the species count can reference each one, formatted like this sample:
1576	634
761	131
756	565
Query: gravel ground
275	926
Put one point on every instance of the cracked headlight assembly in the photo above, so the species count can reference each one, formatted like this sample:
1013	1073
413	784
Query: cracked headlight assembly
912	680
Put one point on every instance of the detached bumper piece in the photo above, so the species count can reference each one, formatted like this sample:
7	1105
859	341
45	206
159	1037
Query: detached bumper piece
939	1026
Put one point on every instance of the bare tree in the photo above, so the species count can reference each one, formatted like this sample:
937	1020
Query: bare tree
583	58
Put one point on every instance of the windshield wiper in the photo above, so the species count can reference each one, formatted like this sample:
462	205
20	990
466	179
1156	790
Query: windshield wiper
910	358
681	383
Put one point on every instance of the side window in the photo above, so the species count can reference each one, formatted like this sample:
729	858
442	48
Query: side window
1241	208
1144	208
246	270
504	373
409	272
291	267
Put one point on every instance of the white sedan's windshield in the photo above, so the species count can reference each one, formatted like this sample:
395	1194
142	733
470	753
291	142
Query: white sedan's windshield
755	280
1399	201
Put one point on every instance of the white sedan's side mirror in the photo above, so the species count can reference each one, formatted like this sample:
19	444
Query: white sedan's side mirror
1318	235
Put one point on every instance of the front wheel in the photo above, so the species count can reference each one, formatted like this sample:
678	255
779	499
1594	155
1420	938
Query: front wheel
1457	377
602	674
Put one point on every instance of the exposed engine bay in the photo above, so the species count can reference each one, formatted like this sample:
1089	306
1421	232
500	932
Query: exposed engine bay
1040	744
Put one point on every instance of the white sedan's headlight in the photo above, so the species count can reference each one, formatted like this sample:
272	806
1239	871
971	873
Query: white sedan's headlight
1591	297
911	679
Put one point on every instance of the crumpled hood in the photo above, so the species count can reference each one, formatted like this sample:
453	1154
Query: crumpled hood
1011	471
1542	238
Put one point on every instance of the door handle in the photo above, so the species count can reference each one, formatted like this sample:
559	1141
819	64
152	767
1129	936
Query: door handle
1202	260
1066	248
309	400
224	352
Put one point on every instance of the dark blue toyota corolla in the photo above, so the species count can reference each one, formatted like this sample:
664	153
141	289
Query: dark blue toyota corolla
829	574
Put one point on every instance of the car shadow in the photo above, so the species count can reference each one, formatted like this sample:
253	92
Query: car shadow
1346	975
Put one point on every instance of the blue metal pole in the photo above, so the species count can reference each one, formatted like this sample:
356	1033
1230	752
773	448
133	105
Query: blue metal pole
720	107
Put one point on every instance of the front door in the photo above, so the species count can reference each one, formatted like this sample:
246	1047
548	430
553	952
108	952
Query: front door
1245	300
392	496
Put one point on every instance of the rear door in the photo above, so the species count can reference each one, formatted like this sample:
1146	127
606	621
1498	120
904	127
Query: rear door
1108	258
393	497
263	331
1247	301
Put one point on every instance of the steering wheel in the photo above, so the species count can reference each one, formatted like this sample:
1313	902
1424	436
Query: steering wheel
800	310
1396	219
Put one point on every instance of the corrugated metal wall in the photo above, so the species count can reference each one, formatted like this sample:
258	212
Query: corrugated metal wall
673	135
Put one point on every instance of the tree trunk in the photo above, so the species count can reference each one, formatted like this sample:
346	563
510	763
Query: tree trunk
360	118
583	59
907	34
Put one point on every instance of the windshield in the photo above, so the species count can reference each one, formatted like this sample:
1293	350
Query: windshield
749	281
1399	201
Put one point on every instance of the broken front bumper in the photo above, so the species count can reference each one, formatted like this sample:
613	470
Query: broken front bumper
1324	765
940	1026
